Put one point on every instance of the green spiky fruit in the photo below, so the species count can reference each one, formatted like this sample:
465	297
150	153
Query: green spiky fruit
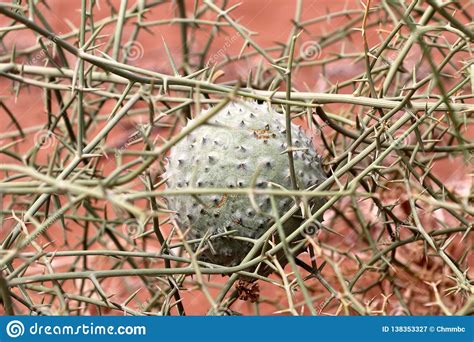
242	146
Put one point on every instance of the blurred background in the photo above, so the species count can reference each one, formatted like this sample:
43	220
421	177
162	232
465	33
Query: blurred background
179	38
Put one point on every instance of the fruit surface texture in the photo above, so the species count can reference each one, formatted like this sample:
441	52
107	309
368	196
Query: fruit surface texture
242	146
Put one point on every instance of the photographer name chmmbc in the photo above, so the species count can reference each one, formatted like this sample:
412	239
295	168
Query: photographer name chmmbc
444	329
